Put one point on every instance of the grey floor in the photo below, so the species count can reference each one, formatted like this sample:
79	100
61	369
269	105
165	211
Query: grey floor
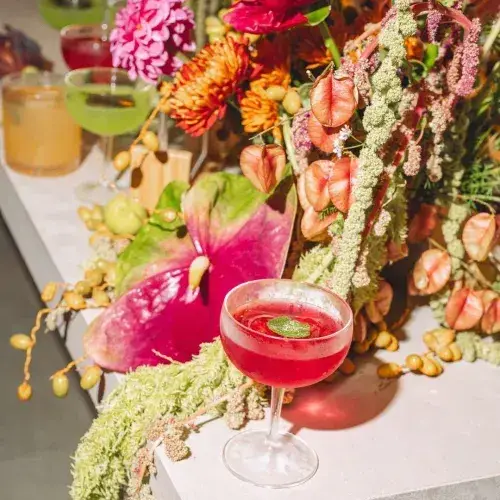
37	438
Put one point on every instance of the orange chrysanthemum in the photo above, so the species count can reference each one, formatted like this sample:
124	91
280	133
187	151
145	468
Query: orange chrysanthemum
258	112
202	86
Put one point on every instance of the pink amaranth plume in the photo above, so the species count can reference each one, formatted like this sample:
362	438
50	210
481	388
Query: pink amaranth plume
148	35
470	60
301	140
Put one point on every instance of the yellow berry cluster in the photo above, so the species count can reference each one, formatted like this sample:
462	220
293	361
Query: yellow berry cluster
442	347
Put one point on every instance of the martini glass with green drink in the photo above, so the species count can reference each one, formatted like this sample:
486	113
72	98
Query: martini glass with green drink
106	102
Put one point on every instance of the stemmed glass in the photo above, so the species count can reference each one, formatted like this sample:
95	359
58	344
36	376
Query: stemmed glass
270	458
106	102
61	13
86	46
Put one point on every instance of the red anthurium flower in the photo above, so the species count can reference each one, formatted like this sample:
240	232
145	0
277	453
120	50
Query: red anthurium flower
172	279
267	16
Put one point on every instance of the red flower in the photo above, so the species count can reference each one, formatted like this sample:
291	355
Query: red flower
266	16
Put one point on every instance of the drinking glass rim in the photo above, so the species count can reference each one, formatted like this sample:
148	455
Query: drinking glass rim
67	77
308	339
67	28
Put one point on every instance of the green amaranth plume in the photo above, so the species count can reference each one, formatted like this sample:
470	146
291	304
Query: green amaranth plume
104	455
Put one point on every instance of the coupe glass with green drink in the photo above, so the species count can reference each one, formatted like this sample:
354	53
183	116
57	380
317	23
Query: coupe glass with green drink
106	102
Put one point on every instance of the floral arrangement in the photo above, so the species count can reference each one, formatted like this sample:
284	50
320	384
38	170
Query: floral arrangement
370	134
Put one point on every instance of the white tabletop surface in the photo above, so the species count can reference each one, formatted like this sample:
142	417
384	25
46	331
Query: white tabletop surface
438	438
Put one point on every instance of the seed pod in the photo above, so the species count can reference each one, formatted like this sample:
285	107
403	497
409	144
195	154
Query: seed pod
97	214
486	297
49	292
83	288
445	354
423	223
110	277
444	336
122	161
394	345
91	376
212	21
150	140
379	307
372	336
429	367
20	341
464	309
342	181
455	351
276	92
24	391
389	370
414	362
333	99
347	367
60	385
94	277
490	322
100	297
316	183
74	301
292	102
313	226
361	347
91	225
478	236
322	137
383	340
102	265
432	271
83	213
360	329
263	166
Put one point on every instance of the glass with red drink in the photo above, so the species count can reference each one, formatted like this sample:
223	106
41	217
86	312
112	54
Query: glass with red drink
86	46
284	334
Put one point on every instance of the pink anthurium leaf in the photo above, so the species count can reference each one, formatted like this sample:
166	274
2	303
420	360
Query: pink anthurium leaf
236	234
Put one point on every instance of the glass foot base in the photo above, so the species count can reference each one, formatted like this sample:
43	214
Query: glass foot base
287	462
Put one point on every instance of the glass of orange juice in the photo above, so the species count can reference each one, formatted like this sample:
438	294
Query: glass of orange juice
40	137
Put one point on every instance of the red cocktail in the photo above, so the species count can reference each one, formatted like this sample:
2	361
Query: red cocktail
274	360
283	334
86	47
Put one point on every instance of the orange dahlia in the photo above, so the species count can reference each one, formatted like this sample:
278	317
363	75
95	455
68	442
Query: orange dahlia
202	86
258	112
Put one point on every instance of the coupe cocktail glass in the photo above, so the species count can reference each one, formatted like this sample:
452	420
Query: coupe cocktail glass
106	102
267	457
86	46
61	13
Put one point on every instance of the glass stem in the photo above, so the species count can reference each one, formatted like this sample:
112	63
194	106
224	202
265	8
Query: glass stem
107	147
276	404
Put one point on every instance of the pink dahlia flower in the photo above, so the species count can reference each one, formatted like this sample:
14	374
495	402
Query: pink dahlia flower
147	36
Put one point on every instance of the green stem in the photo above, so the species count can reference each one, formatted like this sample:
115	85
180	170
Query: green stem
330	43
290	150
491	38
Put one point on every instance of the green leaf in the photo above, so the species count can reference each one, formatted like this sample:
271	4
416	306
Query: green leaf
430	55
317	16
148	245
289	327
